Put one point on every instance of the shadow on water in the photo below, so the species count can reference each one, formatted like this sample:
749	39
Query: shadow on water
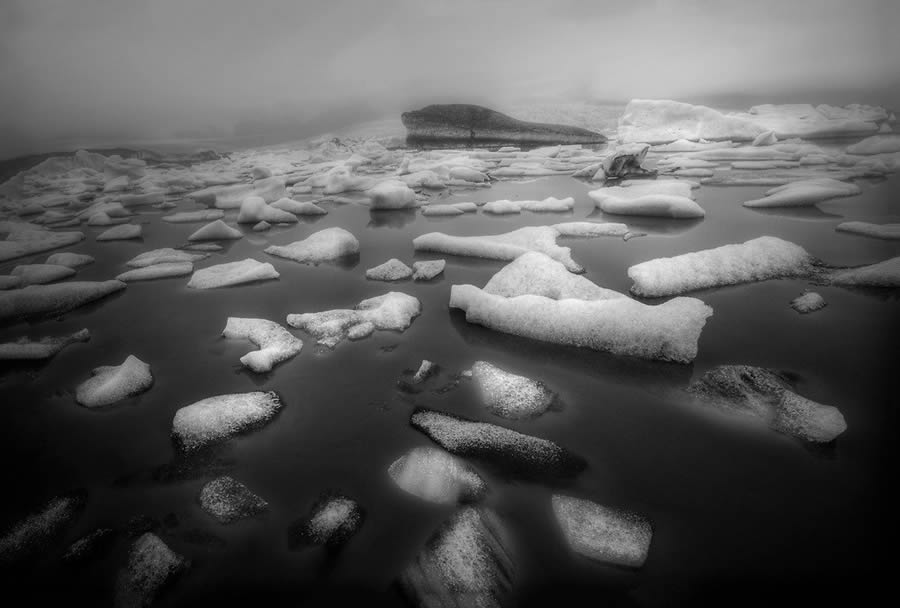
388	218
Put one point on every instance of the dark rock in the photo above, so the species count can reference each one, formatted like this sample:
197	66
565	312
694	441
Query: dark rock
470	122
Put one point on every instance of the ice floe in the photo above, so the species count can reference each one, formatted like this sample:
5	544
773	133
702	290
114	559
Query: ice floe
38	274
72	260
228	500
254	209
231	196
44	300
877	144
112	383
89	545
44	348
881	274
508	395
298	208
810	301
391	194
123	232
33	534
276	344
151	566
29	240
548	204
391	311
660	198
188	217
591	229
218	418
602	533
805	192
164	270
537	274
332	521
426	270
765	395
216	231
322	246
449	209
232	273
876	231
758	259
436	476
392	270
165	255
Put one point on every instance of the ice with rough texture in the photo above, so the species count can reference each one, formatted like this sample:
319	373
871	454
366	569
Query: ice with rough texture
391	311
112	383
888	232
657	121
602	533
228	500
25	349
877	144
768	396
216	231
507	246
426	370
33	534
165	270
38	274
43	300
522	454
187	217
427	269
758	259
22	242
231	196
537	274
332	521
166	255
810	301
392	194
232	273
882	274
591	229
72	260
298	208
151	566
276	344
218	418
322	246
508	395
392	270
804	193
254	209
123	232
436	476
449	209
661	198
548	204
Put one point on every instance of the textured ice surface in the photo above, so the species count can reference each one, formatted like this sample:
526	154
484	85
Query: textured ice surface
228	500
436	476
507	246
537	274
392	270
42	300
763	394
216	231
766	138
164	256
322	246
877	144
165	270
810	301
449	209
876	231
22	242
187	217
882	274
591	229
254	209
804	193
759	259
72	260
602	533
151	566
38	274
511	450
231	196
657	121
121	233
218	418
232	273
548	204
509	395
276	344
427	269
392	194
33	534
659	198
391	311
112	383
298	208
333	520
25	349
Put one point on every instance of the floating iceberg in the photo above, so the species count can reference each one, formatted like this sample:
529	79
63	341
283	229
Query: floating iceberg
22	242
537	274
165	270
218	418
298	208
33	535
548	204
877	144
591	229
38	274
427	269
601	533
810	301
333	520
187	217
449	209
72	260
121	233
113	383
436	476
254	209
506	246
882	274
392	270
876	231
508	395
44	300
25	349
230	197
758	259
166	255
228	500
151	566
322	246
804	193
661	121
216	231
276	344
662	198
392	194
232	273
392	311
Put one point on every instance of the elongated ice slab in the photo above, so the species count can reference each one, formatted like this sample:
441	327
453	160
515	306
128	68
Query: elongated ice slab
232	273
166	255
508	395
187	217
42	300
392	270
276	344
322	246
123	232
890	232
38	274
218	418
601	533
113	383
25	349
882	274
166	270
20	243
34	533
805	193
662	198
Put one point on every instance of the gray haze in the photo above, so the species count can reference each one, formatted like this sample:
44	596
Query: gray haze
130	69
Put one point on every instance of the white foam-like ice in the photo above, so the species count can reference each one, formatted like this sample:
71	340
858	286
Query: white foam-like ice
39	300
232	273
426	270
436	476
216	230
218	418
254	209
509	395
166	255
537	274
228	500
322	246
392	270
151	566
276	344
591	229
810	301
112	383
391	311
602	533
547	205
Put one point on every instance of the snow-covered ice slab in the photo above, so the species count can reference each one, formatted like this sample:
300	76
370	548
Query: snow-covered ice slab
165	270
123	232
113	383
228	500
549	204
591	229
33	534
151	566
467	562
889	232
524	455
188	217
44	300
218	418
25	349
507	246
805	193
276	344
809	302
535	273
232	273
72	260
392	270
508	395
436	476
298	208
659	198
216	231
758	259
391	194
333	520
322	246
254	209
19	243
38	274
602	533
426	270
882	274
166	255
391	311
449	209
765	395
877	144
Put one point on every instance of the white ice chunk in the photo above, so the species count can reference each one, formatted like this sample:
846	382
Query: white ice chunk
661	198
436	476
298	208
537	274
804	193
876	231
221	417
882	274
216	231
25	349
232	273
22	242
230	197
660	121
228	500
392	270
164	270
276	344
758	259
391	194
187	217
166	255
391	311
449	209
254	209
41	300
322	246
548	204
602	533
810	301
121	233
112	383
591	229
877	144
427	269
508	395
72	260
38	274
333	521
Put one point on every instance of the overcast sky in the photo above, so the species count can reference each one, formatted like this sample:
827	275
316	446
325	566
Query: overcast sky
134	68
